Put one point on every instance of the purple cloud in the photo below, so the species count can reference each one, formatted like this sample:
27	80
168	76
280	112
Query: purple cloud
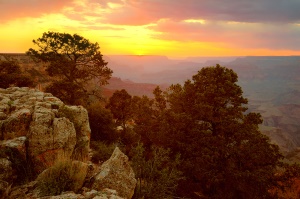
140	12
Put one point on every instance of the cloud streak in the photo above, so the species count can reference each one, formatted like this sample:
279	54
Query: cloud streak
12	9
137	12
242	35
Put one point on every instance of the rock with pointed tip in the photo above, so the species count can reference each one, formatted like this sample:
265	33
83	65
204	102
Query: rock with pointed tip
117	174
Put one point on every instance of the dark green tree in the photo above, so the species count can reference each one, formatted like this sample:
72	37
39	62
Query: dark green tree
143	116
101	123
120	106
12	75
147	114
75	64
160	102
224	154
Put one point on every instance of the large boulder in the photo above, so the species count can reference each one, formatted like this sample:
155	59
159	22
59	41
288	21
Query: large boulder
48	144
36	131
79	117
117	174
48	127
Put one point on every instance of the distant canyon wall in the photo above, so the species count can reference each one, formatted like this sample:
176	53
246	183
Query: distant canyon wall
271	84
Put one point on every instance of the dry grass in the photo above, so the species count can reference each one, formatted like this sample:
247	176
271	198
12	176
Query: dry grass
64	175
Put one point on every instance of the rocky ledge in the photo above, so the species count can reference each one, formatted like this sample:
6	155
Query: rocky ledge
36	131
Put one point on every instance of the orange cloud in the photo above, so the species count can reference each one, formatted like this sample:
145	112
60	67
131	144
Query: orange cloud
30	8
164	27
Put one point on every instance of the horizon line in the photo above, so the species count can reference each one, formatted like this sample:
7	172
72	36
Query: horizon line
171	57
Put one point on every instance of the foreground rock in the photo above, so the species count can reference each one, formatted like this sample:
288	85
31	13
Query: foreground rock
6	176
116	173
26	192
36	129
114	180
43	140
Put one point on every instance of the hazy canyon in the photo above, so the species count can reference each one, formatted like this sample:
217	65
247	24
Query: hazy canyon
271	84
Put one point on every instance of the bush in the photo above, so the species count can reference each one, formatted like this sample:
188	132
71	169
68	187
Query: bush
64	175
101	151
157	176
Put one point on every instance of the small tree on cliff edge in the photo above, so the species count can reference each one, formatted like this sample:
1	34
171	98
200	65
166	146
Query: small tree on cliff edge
74	63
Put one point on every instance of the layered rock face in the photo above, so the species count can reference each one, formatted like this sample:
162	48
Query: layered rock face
38	130
47	126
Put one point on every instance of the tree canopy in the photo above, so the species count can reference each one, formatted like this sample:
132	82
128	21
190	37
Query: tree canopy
120	106
224	152
224	155
205	120
75	64
101	123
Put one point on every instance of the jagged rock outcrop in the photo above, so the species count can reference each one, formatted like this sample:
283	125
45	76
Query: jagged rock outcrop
37	130
116	173
79	117
41	127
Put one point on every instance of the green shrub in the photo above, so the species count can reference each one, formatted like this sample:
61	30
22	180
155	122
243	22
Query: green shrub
64	175
157	176
101	151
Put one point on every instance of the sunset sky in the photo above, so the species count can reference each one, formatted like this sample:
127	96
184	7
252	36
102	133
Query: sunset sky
175	28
